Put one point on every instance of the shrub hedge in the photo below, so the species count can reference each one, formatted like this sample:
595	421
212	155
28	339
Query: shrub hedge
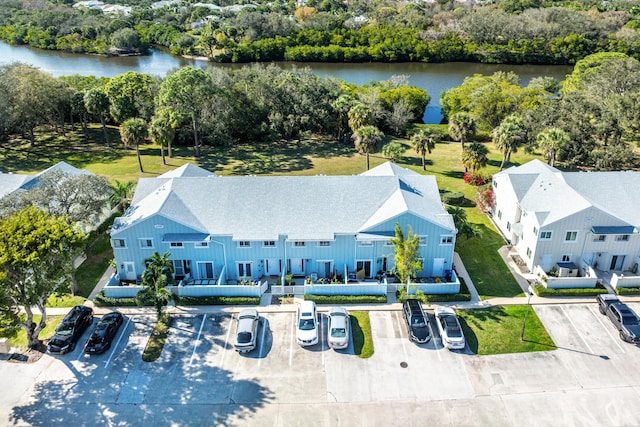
463	295
453	198
346	299
101	300
541	291
628	291
217	300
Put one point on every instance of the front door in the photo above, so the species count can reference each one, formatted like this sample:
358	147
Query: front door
438	267
363	267
273	267
205	270
546	262
324	268
617	262
296	266
129	271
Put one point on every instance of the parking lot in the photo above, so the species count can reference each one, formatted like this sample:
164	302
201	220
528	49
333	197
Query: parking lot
200	379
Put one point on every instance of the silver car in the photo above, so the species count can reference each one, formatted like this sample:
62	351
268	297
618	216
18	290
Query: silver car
338	331
247	330
449	327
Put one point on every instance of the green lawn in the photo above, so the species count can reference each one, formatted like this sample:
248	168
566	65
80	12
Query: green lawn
20	340
497	330
313	156
99	254
361	334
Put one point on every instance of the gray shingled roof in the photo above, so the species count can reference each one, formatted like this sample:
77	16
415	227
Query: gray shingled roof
309	207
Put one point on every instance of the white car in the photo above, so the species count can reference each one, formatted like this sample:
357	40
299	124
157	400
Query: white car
246	335
338	328
307	326
449	327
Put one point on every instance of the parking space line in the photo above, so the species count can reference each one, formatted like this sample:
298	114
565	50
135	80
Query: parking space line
404	349
113	350
264	329
226	340
606	329
320	338
293	334
195	346
433	340
576	329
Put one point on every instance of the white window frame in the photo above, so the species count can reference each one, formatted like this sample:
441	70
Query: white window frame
244	244
244	268
529	252
600	238
143	240
565	258
446	239
365	242
119	243
566	234
324	243
535	231
622	238
268	243
299	244
423	240
201	245
543	235
499	214
213	269
176	245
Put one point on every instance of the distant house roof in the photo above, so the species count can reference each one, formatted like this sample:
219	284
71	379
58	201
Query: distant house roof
10	183
553	195
187	170
301	207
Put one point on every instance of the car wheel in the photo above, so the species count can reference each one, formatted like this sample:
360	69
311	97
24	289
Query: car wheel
72	347
601	308
623	337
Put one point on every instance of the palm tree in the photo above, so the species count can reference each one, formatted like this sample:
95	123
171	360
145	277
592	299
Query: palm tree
97	102
462	125
162	129
464	227
360	115
134	131
423	142
507	136
474	157
155	278
121	193
551	140
367	139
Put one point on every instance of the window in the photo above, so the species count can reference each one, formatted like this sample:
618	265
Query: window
508	226
529	253
244	269
495	184
298	244
269	244
600	238
571	236
244	244
146	243
388	243
622	238
545	235
177	244
499	214
201	244
566	257
423	240
446	240
535	231
366	243
119	243
324	243
205	270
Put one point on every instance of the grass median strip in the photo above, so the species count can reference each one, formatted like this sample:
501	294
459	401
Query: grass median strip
497	330
361	334
157	339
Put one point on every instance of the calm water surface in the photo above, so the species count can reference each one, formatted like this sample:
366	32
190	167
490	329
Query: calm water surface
434	78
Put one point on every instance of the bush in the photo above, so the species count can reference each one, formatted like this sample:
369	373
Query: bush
346	299
101	300
463	295
475	179
216	300
628	291
455	198
541	291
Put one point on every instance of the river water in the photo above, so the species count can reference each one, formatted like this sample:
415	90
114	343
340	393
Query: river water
434	78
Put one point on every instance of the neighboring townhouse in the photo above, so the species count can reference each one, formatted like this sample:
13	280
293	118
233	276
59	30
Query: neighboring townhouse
248	227
570	222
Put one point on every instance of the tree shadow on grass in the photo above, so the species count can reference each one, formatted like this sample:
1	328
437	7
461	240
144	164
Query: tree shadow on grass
174	390
454	174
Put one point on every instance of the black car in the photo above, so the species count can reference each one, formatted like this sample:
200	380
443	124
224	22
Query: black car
417	321
104	333
70	330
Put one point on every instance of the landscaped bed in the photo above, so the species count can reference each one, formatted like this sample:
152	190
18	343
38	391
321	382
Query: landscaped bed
497	330
542	291
463	295
346	299
361	334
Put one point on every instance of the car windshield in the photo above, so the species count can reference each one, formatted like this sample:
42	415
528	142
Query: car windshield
247	316
95	340
244	337
65	329
306	324
418	322
338	332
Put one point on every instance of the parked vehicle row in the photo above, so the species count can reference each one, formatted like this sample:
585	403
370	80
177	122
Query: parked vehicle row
76	322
